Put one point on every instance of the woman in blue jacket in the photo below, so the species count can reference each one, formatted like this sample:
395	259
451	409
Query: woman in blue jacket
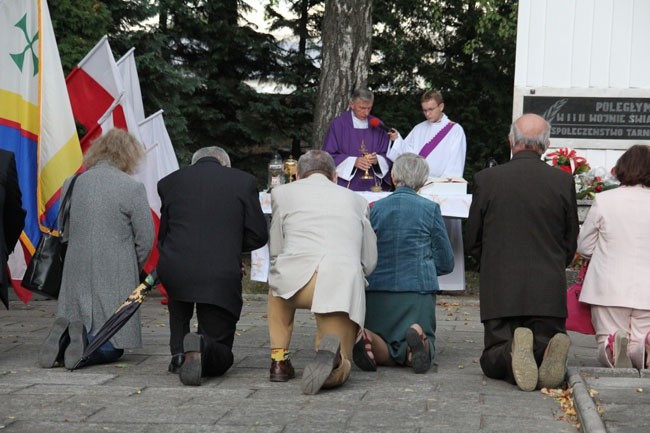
413	250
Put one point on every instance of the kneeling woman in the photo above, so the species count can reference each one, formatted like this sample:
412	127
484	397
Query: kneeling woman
413	250
616	236
110	234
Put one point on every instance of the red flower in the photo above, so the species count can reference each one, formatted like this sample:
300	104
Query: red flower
568	160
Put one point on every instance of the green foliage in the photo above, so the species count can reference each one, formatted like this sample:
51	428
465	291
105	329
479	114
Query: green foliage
78	26
165	85
195	58
298	57
464	49
205	39
129	16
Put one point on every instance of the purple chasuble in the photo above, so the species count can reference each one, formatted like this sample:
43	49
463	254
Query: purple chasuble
343	140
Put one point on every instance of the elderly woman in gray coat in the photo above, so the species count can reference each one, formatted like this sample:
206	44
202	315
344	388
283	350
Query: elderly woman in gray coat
110	234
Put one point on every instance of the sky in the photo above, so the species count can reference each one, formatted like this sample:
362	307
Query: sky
256	16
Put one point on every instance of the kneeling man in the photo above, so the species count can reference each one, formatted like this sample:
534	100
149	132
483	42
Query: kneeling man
210	214
322	246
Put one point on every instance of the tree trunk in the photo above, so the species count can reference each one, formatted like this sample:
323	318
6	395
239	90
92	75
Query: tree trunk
303	33
346	33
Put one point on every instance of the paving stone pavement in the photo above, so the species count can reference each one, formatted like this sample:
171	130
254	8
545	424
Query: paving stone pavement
137	394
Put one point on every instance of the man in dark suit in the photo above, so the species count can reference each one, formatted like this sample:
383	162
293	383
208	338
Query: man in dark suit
210	214
522	229
13	216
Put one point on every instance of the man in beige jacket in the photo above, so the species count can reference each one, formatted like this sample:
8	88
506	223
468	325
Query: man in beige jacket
321	246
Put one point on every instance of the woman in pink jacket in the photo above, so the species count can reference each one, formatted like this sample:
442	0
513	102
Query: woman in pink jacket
616	236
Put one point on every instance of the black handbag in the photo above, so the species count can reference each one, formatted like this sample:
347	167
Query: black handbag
45	269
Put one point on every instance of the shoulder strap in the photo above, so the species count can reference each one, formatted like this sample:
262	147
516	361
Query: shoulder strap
435	141
64	206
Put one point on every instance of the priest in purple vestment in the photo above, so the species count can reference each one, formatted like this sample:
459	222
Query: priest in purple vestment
358	148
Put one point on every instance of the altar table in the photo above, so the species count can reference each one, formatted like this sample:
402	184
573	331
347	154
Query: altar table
452	206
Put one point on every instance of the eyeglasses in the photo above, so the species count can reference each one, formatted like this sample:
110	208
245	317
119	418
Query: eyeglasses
431	110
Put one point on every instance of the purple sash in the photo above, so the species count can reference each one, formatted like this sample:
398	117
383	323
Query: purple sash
435	141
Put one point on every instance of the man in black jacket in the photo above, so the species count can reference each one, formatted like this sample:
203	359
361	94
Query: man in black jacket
210	214
13	216
522	228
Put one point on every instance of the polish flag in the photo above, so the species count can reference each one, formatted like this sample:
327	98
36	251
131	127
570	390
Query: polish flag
97	95
131	81
159	161
160	158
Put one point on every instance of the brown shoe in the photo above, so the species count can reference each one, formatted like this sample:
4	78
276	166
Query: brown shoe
281	371
339	375
553	368
524	367
316	372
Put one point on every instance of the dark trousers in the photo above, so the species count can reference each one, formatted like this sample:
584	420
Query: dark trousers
496	360
216	325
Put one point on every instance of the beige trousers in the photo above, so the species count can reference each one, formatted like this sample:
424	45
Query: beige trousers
281	314
608	320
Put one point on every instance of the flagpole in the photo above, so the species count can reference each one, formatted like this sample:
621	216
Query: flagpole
125	56
151	117
117	101
93	51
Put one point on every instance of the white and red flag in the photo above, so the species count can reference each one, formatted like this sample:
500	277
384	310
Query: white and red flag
98	96
129	74
159	161
160	158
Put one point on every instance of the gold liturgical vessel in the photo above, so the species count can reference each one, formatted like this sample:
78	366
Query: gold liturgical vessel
290	168
366	175
364	152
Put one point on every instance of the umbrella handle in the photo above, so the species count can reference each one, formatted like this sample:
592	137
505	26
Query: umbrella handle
151	279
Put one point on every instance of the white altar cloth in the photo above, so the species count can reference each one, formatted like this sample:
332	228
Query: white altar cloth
452	206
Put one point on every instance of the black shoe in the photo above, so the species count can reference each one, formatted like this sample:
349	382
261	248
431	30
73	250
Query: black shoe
191	371
175	364
78	343
361	356
53	347
420	355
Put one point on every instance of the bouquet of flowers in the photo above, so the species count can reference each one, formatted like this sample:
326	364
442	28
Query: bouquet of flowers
568	160
594	181
588	181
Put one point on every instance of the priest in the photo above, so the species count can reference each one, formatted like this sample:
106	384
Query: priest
359	148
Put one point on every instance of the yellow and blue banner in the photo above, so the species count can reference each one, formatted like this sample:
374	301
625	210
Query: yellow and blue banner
36	121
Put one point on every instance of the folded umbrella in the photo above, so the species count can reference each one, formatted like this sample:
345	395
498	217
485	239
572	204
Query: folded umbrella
120	317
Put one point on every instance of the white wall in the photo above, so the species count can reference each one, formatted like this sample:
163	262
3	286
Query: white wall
583	43
584	48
